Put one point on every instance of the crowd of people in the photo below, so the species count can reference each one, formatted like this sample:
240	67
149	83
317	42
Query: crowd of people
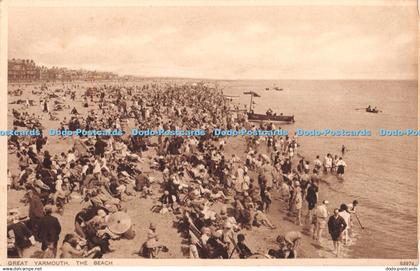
215	198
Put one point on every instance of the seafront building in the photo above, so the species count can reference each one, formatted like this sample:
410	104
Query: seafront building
24	70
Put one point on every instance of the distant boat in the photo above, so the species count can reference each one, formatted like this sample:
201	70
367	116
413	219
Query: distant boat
238	110
270	118
267	89
372	110
265	117
278	89
230	97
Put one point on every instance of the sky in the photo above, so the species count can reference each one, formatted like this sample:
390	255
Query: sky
224	42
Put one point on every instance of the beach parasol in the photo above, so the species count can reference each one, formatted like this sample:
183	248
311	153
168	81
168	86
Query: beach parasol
118	222
252	93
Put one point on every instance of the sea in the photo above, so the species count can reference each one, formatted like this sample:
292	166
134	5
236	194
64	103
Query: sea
381	171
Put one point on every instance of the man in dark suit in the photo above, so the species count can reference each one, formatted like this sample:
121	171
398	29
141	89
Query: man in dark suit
100	146
50	230
336	226
36	212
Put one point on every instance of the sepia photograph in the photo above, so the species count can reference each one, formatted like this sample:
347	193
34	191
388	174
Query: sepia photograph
229	130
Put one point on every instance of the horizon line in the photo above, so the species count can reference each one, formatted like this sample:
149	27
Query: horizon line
274	79
215	78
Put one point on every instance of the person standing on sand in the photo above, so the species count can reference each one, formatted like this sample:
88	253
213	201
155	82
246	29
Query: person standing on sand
50	230
291	153
45	107
193	251
152	241
298	204
36	212
267	199
317	164
100	146
336	226
321	220
292	197
311	198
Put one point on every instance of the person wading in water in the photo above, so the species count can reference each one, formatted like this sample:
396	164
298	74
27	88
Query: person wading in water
336	226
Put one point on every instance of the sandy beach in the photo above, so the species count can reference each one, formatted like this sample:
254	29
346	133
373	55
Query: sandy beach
139	209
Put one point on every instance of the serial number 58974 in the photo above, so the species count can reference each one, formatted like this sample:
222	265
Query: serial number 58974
407	263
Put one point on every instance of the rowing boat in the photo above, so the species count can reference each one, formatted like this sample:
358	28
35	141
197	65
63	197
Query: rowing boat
369	110
271	118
